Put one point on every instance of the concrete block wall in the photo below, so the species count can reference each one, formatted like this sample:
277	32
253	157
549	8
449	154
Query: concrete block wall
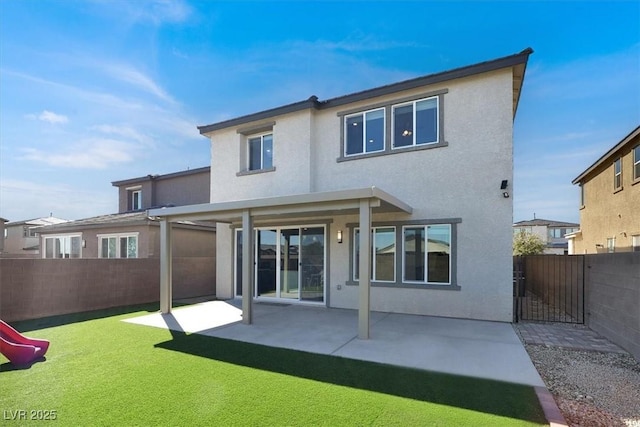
34	288
613	298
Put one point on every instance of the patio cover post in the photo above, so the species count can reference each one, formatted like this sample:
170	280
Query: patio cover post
364	300
247	267
166	279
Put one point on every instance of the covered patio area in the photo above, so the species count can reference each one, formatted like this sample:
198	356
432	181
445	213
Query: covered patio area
363	202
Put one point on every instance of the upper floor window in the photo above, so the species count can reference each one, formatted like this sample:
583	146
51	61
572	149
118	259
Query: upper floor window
260	151
617	174
364	132
581	194
412	123
118	246
415	123
29	232
636	162
136	200
63	247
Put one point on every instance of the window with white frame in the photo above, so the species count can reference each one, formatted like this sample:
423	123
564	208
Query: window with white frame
617	174
29	232
611	244
636	162
118	246
364	132
415	123
427	254
383	256
68	246
260	150
581	194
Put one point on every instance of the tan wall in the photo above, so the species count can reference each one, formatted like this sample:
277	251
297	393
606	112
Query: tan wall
607	213
34	288
187	242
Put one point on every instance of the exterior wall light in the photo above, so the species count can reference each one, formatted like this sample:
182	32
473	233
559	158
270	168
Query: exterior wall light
503	186
339	237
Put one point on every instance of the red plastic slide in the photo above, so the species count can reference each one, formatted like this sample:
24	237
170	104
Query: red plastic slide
20	350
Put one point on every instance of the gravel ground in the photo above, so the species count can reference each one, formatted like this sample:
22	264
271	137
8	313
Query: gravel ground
591	388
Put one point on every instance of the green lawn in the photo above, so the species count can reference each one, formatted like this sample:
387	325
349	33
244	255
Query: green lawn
102	371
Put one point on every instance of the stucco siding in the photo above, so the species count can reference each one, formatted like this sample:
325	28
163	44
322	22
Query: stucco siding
608	213
460	180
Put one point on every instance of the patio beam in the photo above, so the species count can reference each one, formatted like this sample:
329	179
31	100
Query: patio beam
247	267
364	274
166	279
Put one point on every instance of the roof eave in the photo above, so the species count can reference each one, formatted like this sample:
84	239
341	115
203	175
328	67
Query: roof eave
518	61
634	133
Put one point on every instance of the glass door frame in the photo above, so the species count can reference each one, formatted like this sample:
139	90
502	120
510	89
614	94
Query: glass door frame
278	228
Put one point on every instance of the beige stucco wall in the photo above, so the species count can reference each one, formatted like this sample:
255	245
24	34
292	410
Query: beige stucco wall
461	180
187	242
607	213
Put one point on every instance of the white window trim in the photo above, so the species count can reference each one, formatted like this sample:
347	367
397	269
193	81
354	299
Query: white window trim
413	103
636	161
426	256
616	174
135	234
364	132
43	243
248	145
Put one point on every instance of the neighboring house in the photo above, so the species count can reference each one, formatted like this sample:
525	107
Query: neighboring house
21	238
123	235
551	232
425	165
131	233
173	189
610	201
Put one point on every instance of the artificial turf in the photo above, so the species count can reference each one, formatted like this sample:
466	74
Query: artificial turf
102	371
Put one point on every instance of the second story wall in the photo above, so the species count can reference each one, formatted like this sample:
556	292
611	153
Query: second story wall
175	189
290	157
610	211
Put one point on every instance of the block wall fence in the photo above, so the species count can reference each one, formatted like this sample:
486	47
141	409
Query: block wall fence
34	288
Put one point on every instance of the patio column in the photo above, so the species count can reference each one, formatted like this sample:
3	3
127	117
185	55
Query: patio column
247	267
166	278
364	297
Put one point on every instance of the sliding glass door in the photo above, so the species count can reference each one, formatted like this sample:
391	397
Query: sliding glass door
290	263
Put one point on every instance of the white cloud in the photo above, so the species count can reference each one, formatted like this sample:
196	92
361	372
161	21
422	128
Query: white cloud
123	131
49	117
95	153
157	12
138	79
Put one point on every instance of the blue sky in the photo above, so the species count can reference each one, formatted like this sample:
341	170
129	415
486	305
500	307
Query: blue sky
103	90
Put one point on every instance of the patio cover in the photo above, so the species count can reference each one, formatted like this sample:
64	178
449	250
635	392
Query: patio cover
362	201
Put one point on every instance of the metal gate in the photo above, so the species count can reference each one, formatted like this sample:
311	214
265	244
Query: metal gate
549	288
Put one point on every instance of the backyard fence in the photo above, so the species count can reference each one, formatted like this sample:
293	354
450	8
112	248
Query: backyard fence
549	288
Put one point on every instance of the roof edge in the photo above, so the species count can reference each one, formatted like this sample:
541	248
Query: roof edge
313	102
151	177
607	155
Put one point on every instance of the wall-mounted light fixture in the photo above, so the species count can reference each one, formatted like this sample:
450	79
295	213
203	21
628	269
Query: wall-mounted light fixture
84	243
503	186
339	237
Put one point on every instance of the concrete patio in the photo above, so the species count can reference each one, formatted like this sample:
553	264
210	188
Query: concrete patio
480	349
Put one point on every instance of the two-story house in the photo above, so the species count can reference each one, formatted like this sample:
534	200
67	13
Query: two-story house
21	239
551	232
425	166
610	201
132	233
